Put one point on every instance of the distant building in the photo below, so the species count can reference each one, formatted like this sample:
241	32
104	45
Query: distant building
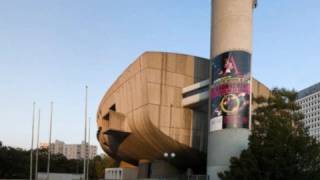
309	100
44	145
58	147
60	176
71	151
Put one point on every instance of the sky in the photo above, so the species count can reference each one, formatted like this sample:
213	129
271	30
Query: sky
50	50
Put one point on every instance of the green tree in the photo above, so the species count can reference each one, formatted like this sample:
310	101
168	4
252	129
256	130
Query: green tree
101	163
279	146
15	164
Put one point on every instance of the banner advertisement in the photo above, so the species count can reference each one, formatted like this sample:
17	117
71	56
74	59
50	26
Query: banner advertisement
230	91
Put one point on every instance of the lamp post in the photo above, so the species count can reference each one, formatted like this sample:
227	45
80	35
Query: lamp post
37	150
49	144
88	149
168	156
31	150
85	134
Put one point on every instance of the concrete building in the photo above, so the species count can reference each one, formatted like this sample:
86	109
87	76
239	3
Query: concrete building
44	145
309	100
91	152
121	174
71	151
161	104
59	176
58	147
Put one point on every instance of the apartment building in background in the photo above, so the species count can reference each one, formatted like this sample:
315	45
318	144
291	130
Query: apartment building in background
71	151
309	100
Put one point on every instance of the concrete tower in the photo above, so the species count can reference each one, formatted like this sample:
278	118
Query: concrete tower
230	82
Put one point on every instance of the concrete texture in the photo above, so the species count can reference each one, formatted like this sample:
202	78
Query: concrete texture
231	26
223	145
142	117
231	31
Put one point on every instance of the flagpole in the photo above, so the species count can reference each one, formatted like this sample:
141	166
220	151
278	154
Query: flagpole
88	149
85	133
49	144
37	150
31	150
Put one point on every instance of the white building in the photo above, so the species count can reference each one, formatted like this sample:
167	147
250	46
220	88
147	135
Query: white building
60	176
72	151
58	147
91	152
121	174
309	100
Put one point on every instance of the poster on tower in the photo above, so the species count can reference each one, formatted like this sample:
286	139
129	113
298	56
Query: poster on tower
230	91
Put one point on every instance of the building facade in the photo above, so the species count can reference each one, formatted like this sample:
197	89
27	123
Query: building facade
309	100
71	151
58	147
169	103
159	105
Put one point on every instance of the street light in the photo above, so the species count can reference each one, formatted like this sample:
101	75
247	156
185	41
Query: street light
169	156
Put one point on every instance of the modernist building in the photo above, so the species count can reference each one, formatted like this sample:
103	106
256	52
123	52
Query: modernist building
71	151
309	100
159	105
169	113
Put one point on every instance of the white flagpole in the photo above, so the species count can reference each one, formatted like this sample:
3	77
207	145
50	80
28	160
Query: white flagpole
37	150
85	134
88	149
31	150
49	144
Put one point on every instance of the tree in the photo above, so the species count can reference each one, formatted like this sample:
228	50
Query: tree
101	163
279	146
15	164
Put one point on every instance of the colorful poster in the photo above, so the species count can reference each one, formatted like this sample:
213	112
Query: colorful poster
231	90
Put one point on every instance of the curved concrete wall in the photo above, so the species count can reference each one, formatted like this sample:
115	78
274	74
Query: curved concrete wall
146	103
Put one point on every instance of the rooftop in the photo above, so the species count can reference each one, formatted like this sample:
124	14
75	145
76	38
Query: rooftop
309	90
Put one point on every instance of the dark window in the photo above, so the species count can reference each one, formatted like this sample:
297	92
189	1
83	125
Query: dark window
113	108
107	117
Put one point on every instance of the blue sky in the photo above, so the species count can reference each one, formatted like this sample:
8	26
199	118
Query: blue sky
49	51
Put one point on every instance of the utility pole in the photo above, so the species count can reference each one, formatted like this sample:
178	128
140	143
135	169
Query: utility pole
37	150
31	150
49	144
85	133
88	164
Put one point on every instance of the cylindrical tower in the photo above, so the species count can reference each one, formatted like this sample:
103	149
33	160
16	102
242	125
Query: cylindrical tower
230	82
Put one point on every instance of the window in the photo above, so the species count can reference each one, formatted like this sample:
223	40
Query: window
107	117
113	108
